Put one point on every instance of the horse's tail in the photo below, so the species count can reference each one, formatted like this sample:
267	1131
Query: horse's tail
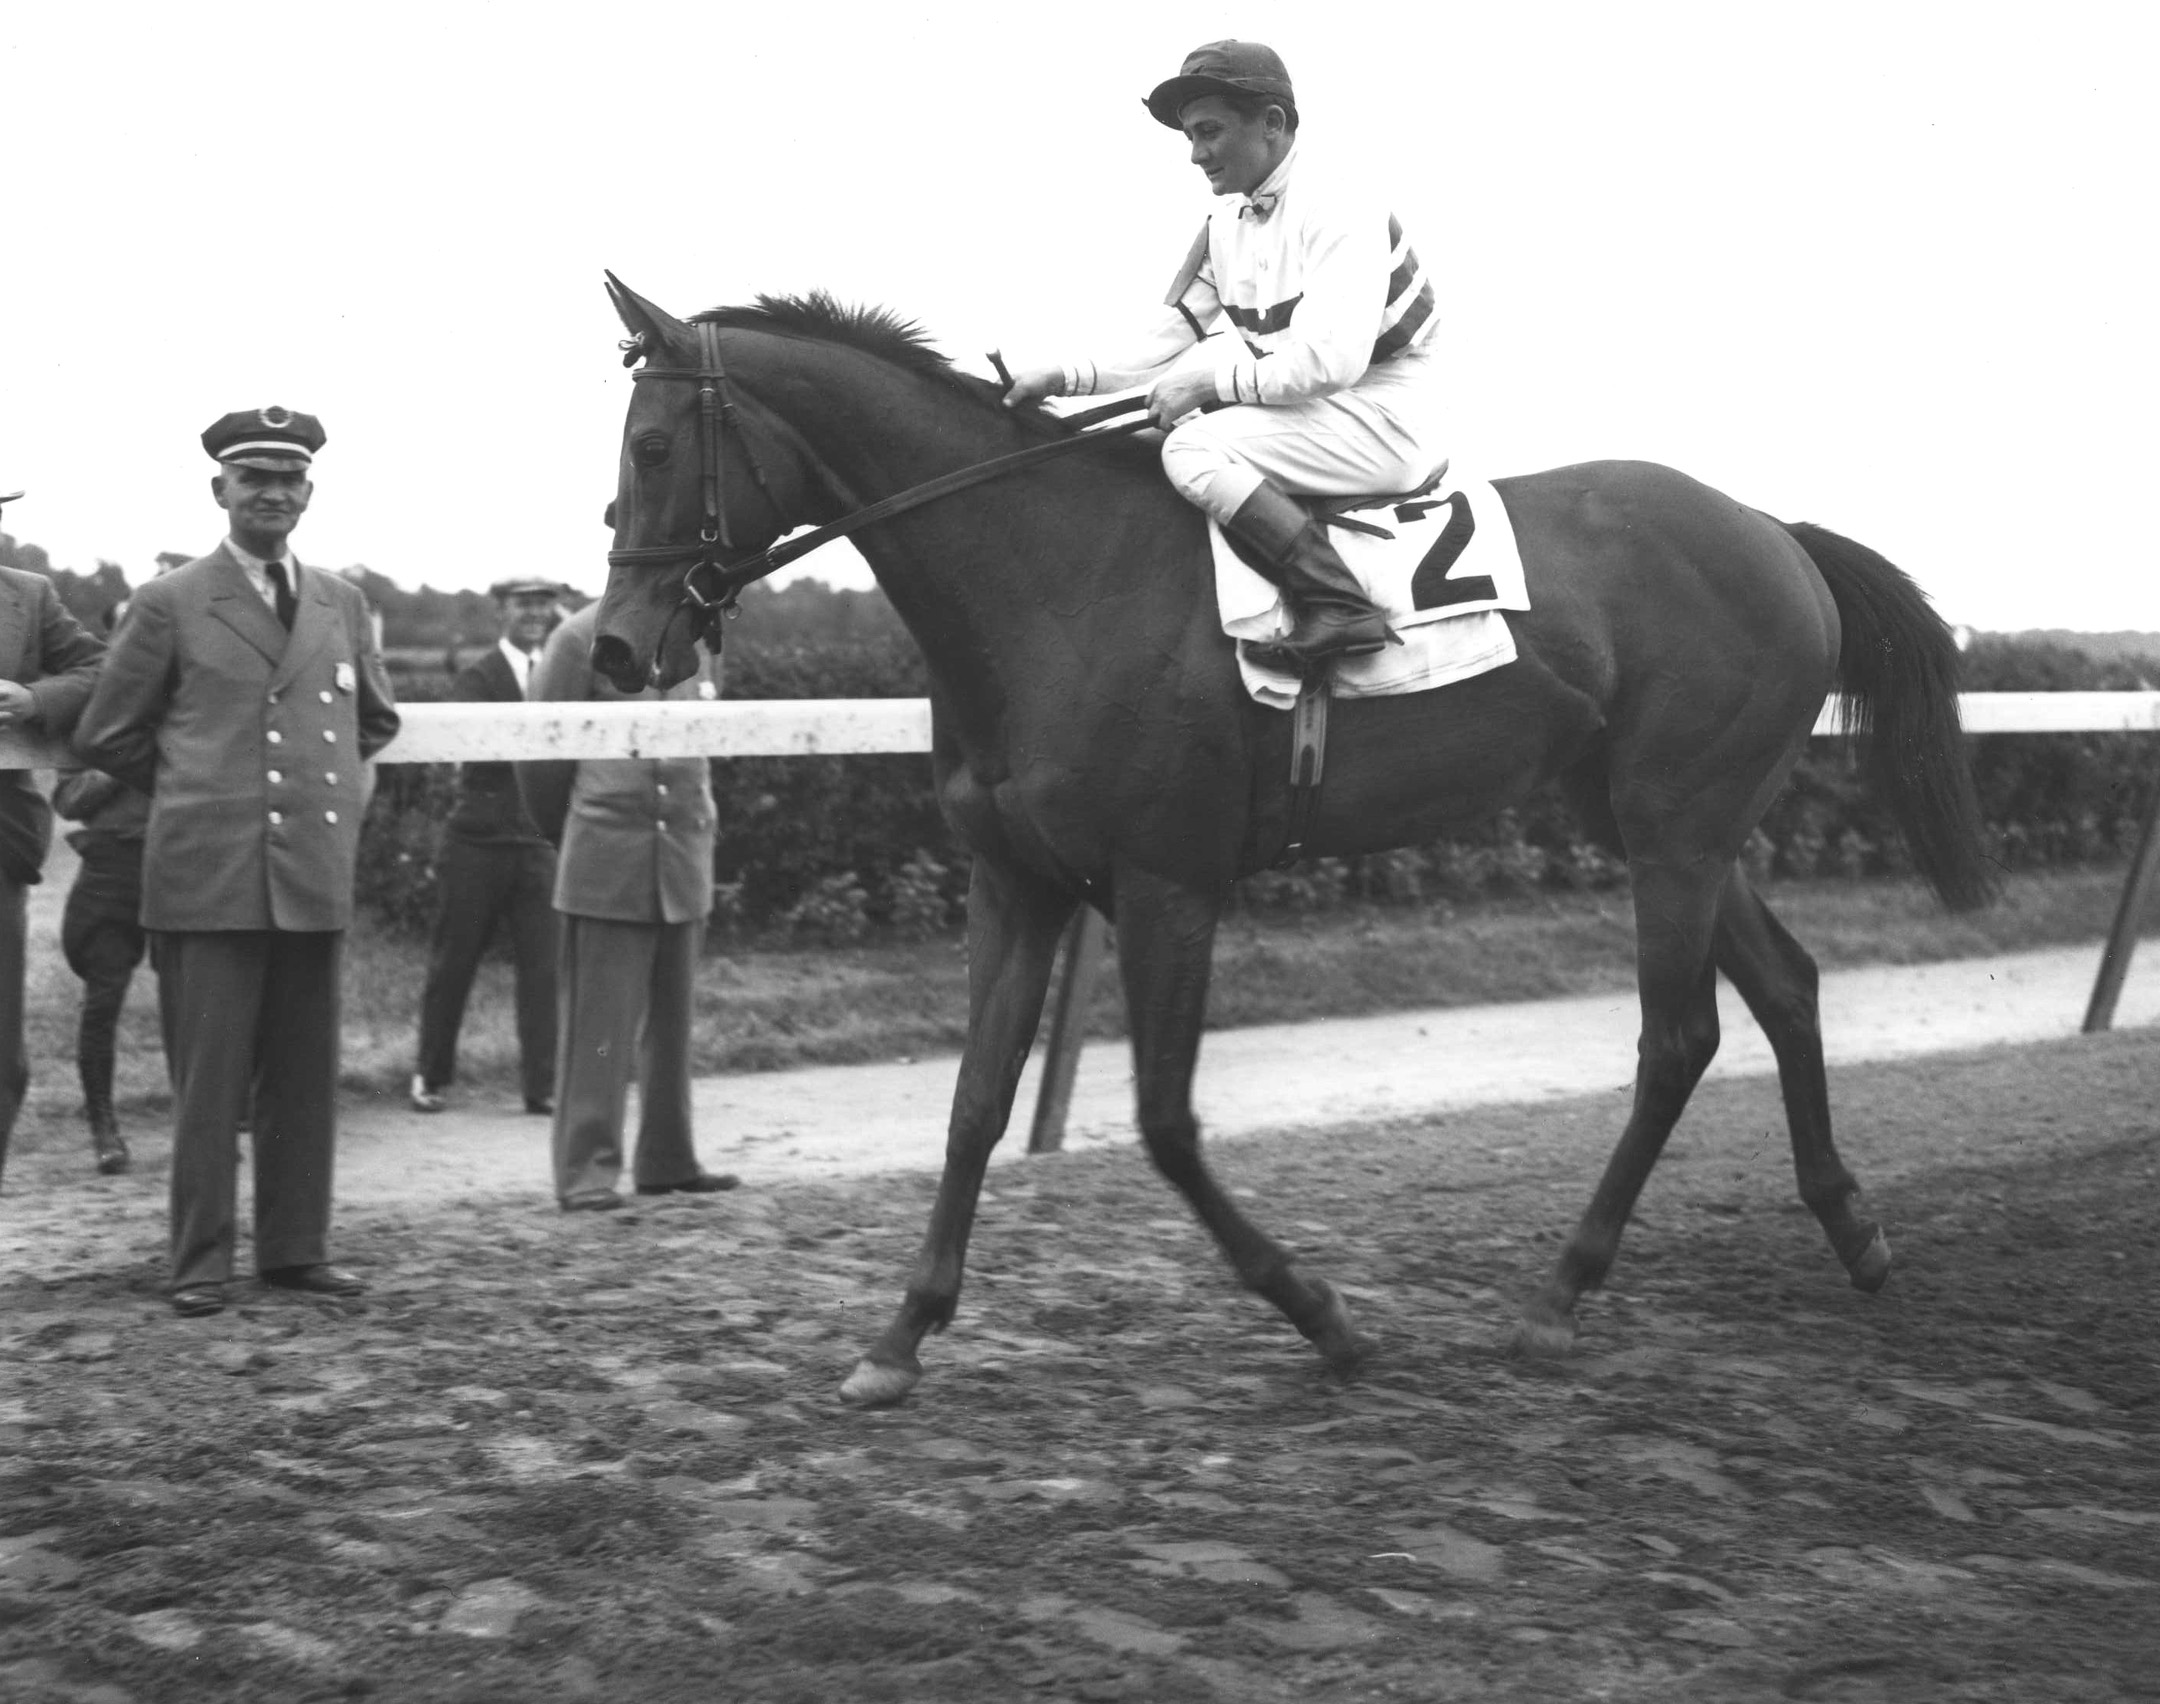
1898	671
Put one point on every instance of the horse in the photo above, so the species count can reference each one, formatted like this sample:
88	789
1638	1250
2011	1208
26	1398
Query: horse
1092	744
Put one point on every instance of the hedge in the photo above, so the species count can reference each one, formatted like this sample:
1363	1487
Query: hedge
837	848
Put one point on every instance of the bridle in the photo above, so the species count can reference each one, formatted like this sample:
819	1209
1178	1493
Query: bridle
714	555
717	417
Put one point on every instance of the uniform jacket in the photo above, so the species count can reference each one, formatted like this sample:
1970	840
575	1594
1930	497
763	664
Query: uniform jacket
249	741
636	833
47	650
490	811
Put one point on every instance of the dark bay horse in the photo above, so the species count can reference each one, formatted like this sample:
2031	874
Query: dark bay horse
1093	746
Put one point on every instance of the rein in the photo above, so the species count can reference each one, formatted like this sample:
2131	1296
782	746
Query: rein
713	553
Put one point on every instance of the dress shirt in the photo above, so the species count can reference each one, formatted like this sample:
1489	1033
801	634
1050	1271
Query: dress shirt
521	664
257	570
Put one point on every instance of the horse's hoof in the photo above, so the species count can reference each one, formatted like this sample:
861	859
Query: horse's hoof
874	1385
1342	1346
1546	1337
1870	1268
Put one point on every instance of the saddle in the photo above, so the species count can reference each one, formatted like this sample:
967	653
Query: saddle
1343	511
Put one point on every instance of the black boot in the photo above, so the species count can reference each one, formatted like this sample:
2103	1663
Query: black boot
1330	614
105	1139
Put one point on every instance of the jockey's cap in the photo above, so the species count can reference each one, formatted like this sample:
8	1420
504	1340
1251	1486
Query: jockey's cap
273	438
1246	67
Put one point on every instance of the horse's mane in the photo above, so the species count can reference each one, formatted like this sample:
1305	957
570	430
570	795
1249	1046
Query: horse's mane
822	318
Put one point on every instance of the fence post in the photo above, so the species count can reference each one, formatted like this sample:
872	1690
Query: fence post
2122	938
1083	952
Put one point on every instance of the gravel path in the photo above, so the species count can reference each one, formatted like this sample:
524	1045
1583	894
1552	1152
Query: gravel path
851	1120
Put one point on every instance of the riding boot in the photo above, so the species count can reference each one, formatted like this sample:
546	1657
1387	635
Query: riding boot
1330	614
106	1142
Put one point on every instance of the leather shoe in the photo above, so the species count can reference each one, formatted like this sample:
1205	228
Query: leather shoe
197	1301
317	1280
425	1099
539	1106
592	1201
705	1183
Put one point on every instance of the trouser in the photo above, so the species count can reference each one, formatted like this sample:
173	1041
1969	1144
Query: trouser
252	1017
626	991
481	885
14	1067
102	939
1379	435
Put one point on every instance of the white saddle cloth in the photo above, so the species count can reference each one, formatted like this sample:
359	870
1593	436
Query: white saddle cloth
1443	642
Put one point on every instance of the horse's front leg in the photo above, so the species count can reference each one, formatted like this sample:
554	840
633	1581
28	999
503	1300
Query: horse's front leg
1013	926
1166	942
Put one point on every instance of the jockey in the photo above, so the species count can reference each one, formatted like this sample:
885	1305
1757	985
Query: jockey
1330	385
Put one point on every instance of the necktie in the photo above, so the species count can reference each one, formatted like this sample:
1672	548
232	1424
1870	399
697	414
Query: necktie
1258	208
281	589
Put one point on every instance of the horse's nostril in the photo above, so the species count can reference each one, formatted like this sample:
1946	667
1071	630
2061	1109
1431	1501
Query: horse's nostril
613	658
607	518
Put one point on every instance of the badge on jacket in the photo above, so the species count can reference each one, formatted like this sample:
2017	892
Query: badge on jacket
346	679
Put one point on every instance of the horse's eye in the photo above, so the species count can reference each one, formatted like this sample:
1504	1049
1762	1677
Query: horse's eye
651	452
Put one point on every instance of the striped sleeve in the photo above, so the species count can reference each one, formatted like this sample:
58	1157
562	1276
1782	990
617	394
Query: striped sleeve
1408	318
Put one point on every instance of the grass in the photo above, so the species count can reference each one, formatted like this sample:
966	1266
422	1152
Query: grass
764	1007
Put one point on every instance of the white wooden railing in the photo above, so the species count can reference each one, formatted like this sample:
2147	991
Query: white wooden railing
836	727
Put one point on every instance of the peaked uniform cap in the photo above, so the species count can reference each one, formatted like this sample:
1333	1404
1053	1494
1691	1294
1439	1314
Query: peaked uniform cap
274	438
527	585
1238	67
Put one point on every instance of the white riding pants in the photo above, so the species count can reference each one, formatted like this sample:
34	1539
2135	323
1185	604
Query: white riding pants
1382	434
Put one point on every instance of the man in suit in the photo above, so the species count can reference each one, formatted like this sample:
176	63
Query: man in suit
633	885
48	663
242	693
494	867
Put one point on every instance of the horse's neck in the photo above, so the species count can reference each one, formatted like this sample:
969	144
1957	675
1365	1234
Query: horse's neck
984	576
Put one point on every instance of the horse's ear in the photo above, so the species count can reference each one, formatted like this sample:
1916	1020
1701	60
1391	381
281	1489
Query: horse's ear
651	328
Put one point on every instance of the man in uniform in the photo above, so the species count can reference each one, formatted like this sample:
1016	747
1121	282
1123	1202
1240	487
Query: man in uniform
1328	386
243	692
634	885
494	867
48	663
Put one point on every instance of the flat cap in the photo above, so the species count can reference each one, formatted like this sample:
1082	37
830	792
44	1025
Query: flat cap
1218	67
274	438
527	585
9	496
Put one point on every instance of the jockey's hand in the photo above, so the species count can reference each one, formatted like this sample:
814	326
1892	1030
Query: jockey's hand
1031	384
1179	395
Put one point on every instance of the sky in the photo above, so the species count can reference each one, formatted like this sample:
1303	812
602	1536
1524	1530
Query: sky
1889	267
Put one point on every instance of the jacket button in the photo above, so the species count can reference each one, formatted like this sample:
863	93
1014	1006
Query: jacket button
329	816
275	737
329	736
663	789
662	826
330	775
276	775
276	817
326	697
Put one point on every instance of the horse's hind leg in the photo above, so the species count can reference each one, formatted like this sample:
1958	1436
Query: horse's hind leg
1013	928
1675	910
1777	979
1166	940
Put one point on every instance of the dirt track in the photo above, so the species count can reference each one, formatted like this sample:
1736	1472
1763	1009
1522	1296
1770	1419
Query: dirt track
570	1457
